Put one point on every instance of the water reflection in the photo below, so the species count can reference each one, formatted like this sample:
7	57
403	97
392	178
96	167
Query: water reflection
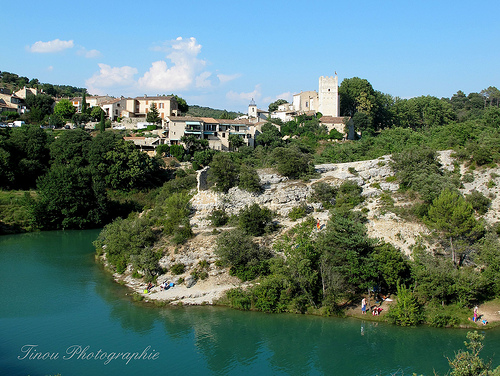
192	340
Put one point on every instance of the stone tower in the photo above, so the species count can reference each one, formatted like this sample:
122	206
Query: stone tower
329	104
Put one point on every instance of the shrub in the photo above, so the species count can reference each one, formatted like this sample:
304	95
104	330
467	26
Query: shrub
406	311
349	195
291	161
254	220
298	212
178	268
177	151
239	299
352	170
324	193
479	202
468	178
245	258
390	179
218	217
249	179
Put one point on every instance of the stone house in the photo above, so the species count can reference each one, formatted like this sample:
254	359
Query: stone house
215	131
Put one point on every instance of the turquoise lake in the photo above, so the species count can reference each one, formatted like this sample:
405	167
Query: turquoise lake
58	304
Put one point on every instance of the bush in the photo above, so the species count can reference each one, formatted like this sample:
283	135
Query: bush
177	151
218	217
222	173
324	193
468	178
479	202
178	268
291	161
298	212
245	258
239	299
271	295
254	220
406	311
349	195
249	179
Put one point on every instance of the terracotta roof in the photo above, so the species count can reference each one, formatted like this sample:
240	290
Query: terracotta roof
111	101
184	118
209	120
332	119
156	98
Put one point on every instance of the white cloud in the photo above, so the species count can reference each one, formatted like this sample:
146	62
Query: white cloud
183	53
202	80
50	68
89	54
223	78
55	45
244	97
109	77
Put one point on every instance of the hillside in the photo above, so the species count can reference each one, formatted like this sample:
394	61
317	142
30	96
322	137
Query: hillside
281	195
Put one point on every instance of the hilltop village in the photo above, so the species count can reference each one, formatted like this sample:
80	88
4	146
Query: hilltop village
131	114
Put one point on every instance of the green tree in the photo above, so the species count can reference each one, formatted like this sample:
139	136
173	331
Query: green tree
102	124
71	148
65	109
363	123
235	141
177	151
406	311
244	257
194	144
254	220
248	179
345	250
274	106
29	154
454	218
356	94
153	115
96	112
40	106
69	198
291	161
468	363
270	136
181	104
85	105
223	173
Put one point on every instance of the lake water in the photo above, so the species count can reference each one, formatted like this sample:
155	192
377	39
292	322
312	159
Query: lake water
58	304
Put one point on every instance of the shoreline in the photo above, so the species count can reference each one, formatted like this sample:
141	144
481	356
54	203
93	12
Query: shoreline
199	295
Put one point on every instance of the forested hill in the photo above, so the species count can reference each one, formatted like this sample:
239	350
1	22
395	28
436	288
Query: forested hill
14	82
200	111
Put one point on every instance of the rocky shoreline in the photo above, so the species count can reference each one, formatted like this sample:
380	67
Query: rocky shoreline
282	195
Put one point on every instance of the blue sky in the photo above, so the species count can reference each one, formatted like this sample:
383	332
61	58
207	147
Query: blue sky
222	53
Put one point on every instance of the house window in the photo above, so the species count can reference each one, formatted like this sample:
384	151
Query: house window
249	136
223	135
118	105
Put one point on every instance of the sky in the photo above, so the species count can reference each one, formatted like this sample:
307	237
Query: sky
222	54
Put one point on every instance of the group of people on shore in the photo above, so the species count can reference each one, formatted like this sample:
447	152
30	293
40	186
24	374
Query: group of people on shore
375	310
163	286
476	317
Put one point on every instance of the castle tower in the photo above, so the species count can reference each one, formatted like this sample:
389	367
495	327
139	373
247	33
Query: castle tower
329	103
